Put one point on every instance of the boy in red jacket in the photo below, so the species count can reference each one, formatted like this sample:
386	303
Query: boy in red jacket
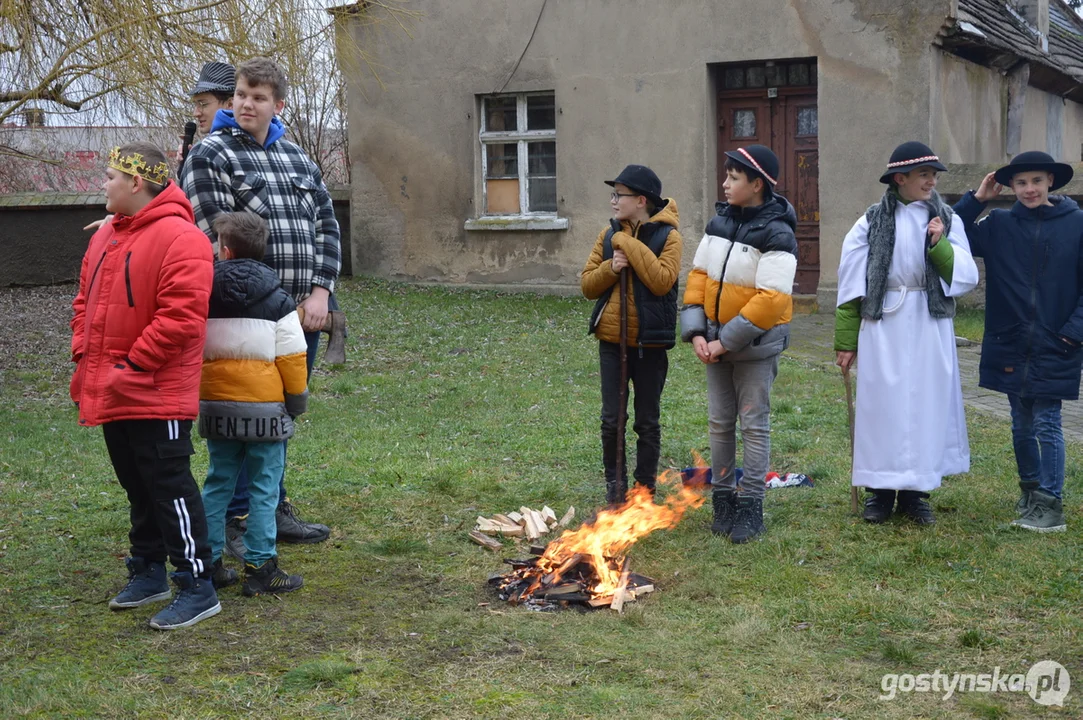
138	330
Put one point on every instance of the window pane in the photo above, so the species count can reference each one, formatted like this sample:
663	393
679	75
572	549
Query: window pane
799	74
812	74
735	78
756	76
541	112
502	197
543	194
541	158
808	122
500	114
776	76
502	160
744	123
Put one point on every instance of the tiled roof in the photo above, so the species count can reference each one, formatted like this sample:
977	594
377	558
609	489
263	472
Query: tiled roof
994	33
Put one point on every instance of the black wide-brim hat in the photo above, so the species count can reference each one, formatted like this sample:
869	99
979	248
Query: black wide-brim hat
1035	160
910	156
215	77
643	180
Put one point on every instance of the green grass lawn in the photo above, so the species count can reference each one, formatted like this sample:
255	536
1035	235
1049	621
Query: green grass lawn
970	323
457	403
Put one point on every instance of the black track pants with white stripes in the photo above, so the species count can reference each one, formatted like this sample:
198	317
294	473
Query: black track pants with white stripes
152	460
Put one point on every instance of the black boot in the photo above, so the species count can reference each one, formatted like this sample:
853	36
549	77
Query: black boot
725	511
914	505
748	524
878	504
616	492
650	485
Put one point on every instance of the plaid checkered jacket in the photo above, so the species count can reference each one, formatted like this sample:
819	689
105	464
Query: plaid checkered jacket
229	172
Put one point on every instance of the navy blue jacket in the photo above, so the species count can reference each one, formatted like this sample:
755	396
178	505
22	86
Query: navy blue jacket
1034	283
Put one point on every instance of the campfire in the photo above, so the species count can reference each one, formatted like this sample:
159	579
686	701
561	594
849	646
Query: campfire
589	566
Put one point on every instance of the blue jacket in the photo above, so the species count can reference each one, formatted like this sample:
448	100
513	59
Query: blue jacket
1034	284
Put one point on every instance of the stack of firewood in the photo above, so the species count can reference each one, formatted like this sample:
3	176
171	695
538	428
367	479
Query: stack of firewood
526	523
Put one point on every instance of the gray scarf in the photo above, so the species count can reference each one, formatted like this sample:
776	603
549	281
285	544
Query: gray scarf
881	219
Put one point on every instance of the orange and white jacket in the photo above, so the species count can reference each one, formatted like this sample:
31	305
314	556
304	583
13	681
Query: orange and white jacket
740	289
255	376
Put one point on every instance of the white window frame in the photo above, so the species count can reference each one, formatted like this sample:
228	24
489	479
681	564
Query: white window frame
524	219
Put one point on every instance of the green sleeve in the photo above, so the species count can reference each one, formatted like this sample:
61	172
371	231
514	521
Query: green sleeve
847	325
943	256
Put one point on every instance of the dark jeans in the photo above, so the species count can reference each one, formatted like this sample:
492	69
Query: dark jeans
647	368
238	506
152	461
1039	442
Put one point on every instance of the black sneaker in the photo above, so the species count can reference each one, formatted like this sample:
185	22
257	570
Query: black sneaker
146	584
724	503
914	505
292	529
878	504
268	578
195	601
235	529
748	524
223	576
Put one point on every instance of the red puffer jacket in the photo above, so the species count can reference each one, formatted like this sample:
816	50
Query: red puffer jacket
141	315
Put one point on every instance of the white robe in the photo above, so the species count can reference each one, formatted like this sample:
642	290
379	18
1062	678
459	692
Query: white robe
910	428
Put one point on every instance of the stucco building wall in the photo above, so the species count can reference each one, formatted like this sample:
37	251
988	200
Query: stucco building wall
625	92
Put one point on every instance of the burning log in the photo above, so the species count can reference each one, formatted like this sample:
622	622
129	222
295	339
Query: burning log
589	566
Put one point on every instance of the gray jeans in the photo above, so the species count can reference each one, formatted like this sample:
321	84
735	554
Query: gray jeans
740	390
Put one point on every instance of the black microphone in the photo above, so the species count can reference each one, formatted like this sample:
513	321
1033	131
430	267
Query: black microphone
189	136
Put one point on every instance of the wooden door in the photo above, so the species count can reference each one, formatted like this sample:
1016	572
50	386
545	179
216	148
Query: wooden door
774	104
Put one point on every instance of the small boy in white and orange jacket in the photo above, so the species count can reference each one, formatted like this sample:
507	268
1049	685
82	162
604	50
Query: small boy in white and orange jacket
254	384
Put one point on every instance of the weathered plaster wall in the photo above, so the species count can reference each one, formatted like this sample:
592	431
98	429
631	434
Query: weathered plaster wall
632	84
969	105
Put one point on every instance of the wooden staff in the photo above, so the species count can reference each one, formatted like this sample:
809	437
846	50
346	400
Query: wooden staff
622	403
850	415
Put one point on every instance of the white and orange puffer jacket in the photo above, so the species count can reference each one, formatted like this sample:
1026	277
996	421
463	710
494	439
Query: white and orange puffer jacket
255	380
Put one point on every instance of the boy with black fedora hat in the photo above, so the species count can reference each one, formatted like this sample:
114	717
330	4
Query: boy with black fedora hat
641	237
212	92
1033	319
903	264
738	305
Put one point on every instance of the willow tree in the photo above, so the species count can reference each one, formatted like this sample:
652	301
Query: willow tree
130	62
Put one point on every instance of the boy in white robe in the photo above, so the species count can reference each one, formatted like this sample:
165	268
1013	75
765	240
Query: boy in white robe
902	265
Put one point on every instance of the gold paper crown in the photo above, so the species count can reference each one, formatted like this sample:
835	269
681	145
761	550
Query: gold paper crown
134	164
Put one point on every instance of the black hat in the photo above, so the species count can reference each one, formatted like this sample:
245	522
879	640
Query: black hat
910	156
215	77
1035	160
760	160
643	180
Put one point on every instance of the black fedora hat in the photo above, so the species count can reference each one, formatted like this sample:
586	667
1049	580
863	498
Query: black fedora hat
760	160
215	77
910	156
643	180
1035	160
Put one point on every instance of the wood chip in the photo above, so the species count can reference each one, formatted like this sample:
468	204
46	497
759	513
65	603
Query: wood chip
485	540
549	516
622	586
516	518
568	517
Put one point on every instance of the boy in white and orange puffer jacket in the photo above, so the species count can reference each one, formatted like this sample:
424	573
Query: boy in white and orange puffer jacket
254	384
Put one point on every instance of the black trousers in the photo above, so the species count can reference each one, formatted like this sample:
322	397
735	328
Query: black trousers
647	369
152	460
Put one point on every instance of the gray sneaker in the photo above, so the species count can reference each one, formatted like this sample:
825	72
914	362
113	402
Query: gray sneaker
1046	514
1026	492
235	528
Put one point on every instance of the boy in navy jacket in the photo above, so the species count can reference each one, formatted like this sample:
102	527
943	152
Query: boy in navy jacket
1033	319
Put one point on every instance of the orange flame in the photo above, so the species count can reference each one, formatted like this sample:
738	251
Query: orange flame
606	541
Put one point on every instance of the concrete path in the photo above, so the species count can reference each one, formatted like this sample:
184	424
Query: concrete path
812	338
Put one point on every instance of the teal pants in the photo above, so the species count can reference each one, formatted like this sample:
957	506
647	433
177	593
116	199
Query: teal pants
265	463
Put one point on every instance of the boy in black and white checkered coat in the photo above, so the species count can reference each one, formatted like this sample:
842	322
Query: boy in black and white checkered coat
246	164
